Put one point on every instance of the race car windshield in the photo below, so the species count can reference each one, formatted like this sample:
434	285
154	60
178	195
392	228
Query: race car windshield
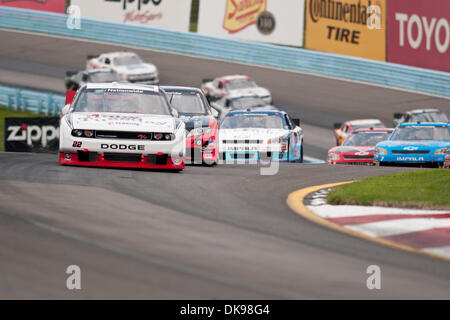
268	121
429	117
412	133
122	101
190	103
366	139
104	77
240	84
246	102
127	60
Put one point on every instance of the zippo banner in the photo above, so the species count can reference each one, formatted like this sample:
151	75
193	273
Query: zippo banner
165	14
57	6
351	27
419	33
32	134
273	21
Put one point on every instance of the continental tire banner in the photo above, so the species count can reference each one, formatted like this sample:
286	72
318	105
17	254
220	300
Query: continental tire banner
32	134
419	33
42	5
165	14
273	21
350	27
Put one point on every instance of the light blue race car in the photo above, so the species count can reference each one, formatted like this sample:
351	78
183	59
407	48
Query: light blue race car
419	144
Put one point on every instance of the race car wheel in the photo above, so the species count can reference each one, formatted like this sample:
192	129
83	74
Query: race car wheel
301	154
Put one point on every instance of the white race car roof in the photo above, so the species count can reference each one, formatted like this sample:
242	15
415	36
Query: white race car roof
234	77
364	121
418	111
122	85
236	94
119	54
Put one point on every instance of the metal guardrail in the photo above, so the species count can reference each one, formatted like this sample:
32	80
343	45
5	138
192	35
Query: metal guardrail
381	73
31	100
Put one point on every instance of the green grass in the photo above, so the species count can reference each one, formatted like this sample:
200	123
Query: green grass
428	189
194	16
9	113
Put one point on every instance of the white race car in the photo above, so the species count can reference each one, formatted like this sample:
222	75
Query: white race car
260	135
127	64
234	84
121	125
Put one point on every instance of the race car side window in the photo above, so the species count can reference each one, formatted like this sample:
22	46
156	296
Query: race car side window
107	61
220	85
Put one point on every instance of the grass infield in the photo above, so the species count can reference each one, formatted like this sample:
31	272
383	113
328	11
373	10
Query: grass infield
425	189
9	113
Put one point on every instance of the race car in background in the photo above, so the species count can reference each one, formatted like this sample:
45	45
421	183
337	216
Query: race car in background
341	131
128	65
76	79
201	125
417	144
220	87
236	101
260	135
121	125
359	147
420	115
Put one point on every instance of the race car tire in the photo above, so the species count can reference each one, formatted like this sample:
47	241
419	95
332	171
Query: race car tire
301	154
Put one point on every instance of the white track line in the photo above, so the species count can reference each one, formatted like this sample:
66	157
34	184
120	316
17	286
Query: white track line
331	211
443	251
396	227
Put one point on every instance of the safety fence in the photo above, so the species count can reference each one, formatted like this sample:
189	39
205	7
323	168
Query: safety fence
31	100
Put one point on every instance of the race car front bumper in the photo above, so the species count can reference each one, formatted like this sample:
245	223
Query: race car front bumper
124	153
415	160
120	160
253	156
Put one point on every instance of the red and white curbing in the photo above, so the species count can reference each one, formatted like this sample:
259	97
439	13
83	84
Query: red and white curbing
425	230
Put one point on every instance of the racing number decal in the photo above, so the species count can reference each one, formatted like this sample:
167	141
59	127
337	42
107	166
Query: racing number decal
77	144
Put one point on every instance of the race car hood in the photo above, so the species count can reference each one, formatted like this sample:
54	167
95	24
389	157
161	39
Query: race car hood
123	122
259	91
426	144
196	120
252	133
136	69
352	149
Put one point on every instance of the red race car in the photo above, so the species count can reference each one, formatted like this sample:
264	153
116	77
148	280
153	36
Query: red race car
342	131
201	126
359	147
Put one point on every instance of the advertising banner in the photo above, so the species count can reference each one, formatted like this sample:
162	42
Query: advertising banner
419	33
43	5
273	21
351	27
32	134
164	14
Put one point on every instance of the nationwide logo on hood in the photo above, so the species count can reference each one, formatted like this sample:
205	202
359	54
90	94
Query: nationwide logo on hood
240	14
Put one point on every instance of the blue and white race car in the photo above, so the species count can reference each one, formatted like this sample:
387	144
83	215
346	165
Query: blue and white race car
253	135
425	144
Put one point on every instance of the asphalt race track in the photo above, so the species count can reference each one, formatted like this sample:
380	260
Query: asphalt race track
220	232
223	232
